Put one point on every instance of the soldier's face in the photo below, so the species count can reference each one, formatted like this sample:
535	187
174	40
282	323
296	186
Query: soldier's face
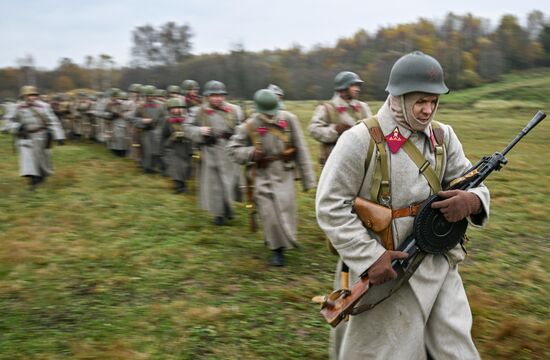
176	111
354	91
192	92
216	99
424	107
29	99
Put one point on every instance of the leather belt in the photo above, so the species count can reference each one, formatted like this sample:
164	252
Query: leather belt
410	210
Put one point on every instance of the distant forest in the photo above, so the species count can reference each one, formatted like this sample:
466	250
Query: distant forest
471	49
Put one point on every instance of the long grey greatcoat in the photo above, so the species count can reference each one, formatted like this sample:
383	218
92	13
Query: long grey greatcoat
34	158
116	123
327	116
432	310
131	131
178	149
274	192
219	174
99	123
150	139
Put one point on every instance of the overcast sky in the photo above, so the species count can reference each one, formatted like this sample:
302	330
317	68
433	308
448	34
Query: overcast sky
50	29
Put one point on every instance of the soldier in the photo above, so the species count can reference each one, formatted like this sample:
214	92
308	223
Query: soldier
211	126
272	143
191	90
132	133
173	91
334	117
83	112
116	123
62	109
149	116
178	148
35	126
429	315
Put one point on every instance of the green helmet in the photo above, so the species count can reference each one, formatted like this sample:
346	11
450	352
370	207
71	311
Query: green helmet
28	90
190	85
214	87
277	90
122	95
160	92
148	90
174	103
266	102
416	72
173	89
345	79
134	88
114	92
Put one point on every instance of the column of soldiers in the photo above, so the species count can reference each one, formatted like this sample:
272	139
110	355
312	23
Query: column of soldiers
163	131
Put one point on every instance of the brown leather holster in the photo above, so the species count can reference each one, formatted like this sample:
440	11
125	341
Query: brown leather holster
376	218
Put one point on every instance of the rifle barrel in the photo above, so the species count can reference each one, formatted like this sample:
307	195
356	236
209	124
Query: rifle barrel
539	116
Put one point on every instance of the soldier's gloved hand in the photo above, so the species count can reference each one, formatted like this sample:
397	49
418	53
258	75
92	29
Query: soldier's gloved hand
381	271
227	134
457	204
340	128
257	155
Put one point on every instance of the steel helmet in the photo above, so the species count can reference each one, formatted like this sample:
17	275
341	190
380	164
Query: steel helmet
416	72
214	87
174	103
266	102
28	90
190	85
345	79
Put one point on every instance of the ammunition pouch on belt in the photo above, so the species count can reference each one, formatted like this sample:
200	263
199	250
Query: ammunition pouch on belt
376	218
287	155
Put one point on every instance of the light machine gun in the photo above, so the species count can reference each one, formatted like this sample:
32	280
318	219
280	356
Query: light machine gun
432	234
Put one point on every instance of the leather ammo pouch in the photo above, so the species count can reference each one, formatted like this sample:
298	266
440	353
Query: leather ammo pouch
376	218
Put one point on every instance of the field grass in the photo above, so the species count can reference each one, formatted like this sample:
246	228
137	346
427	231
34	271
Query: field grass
103	262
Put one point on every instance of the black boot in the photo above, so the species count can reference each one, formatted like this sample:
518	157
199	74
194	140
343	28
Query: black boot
179	187
227	212
218	220
277	258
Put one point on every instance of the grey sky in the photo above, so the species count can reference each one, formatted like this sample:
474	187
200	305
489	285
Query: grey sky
50	29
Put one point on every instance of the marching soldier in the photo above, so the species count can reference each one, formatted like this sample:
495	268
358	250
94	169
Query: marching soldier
271	142
133	138
178	148
149	116
173	91
191	90
35	126
116	123
81	114
333	117
428	316
211	126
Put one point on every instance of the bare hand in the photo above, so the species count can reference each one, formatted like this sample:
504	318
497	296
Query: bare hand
206	131
147	120
382	271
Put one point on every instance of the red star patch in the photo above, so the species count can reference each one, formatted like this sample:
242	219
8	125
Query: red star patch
432	74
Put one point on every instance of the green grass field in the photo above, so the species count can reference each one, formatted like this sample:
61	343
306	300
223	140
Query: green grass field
103	262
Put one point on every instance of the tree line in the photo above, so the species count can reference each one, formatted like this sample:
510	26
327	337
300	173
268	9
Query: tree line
471	50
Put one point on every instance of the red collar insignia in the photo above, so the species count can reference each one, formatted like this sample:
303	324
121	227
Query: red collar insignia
283	123
176	120
356	107
150	105
341	109
262	130
209	111
395	140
